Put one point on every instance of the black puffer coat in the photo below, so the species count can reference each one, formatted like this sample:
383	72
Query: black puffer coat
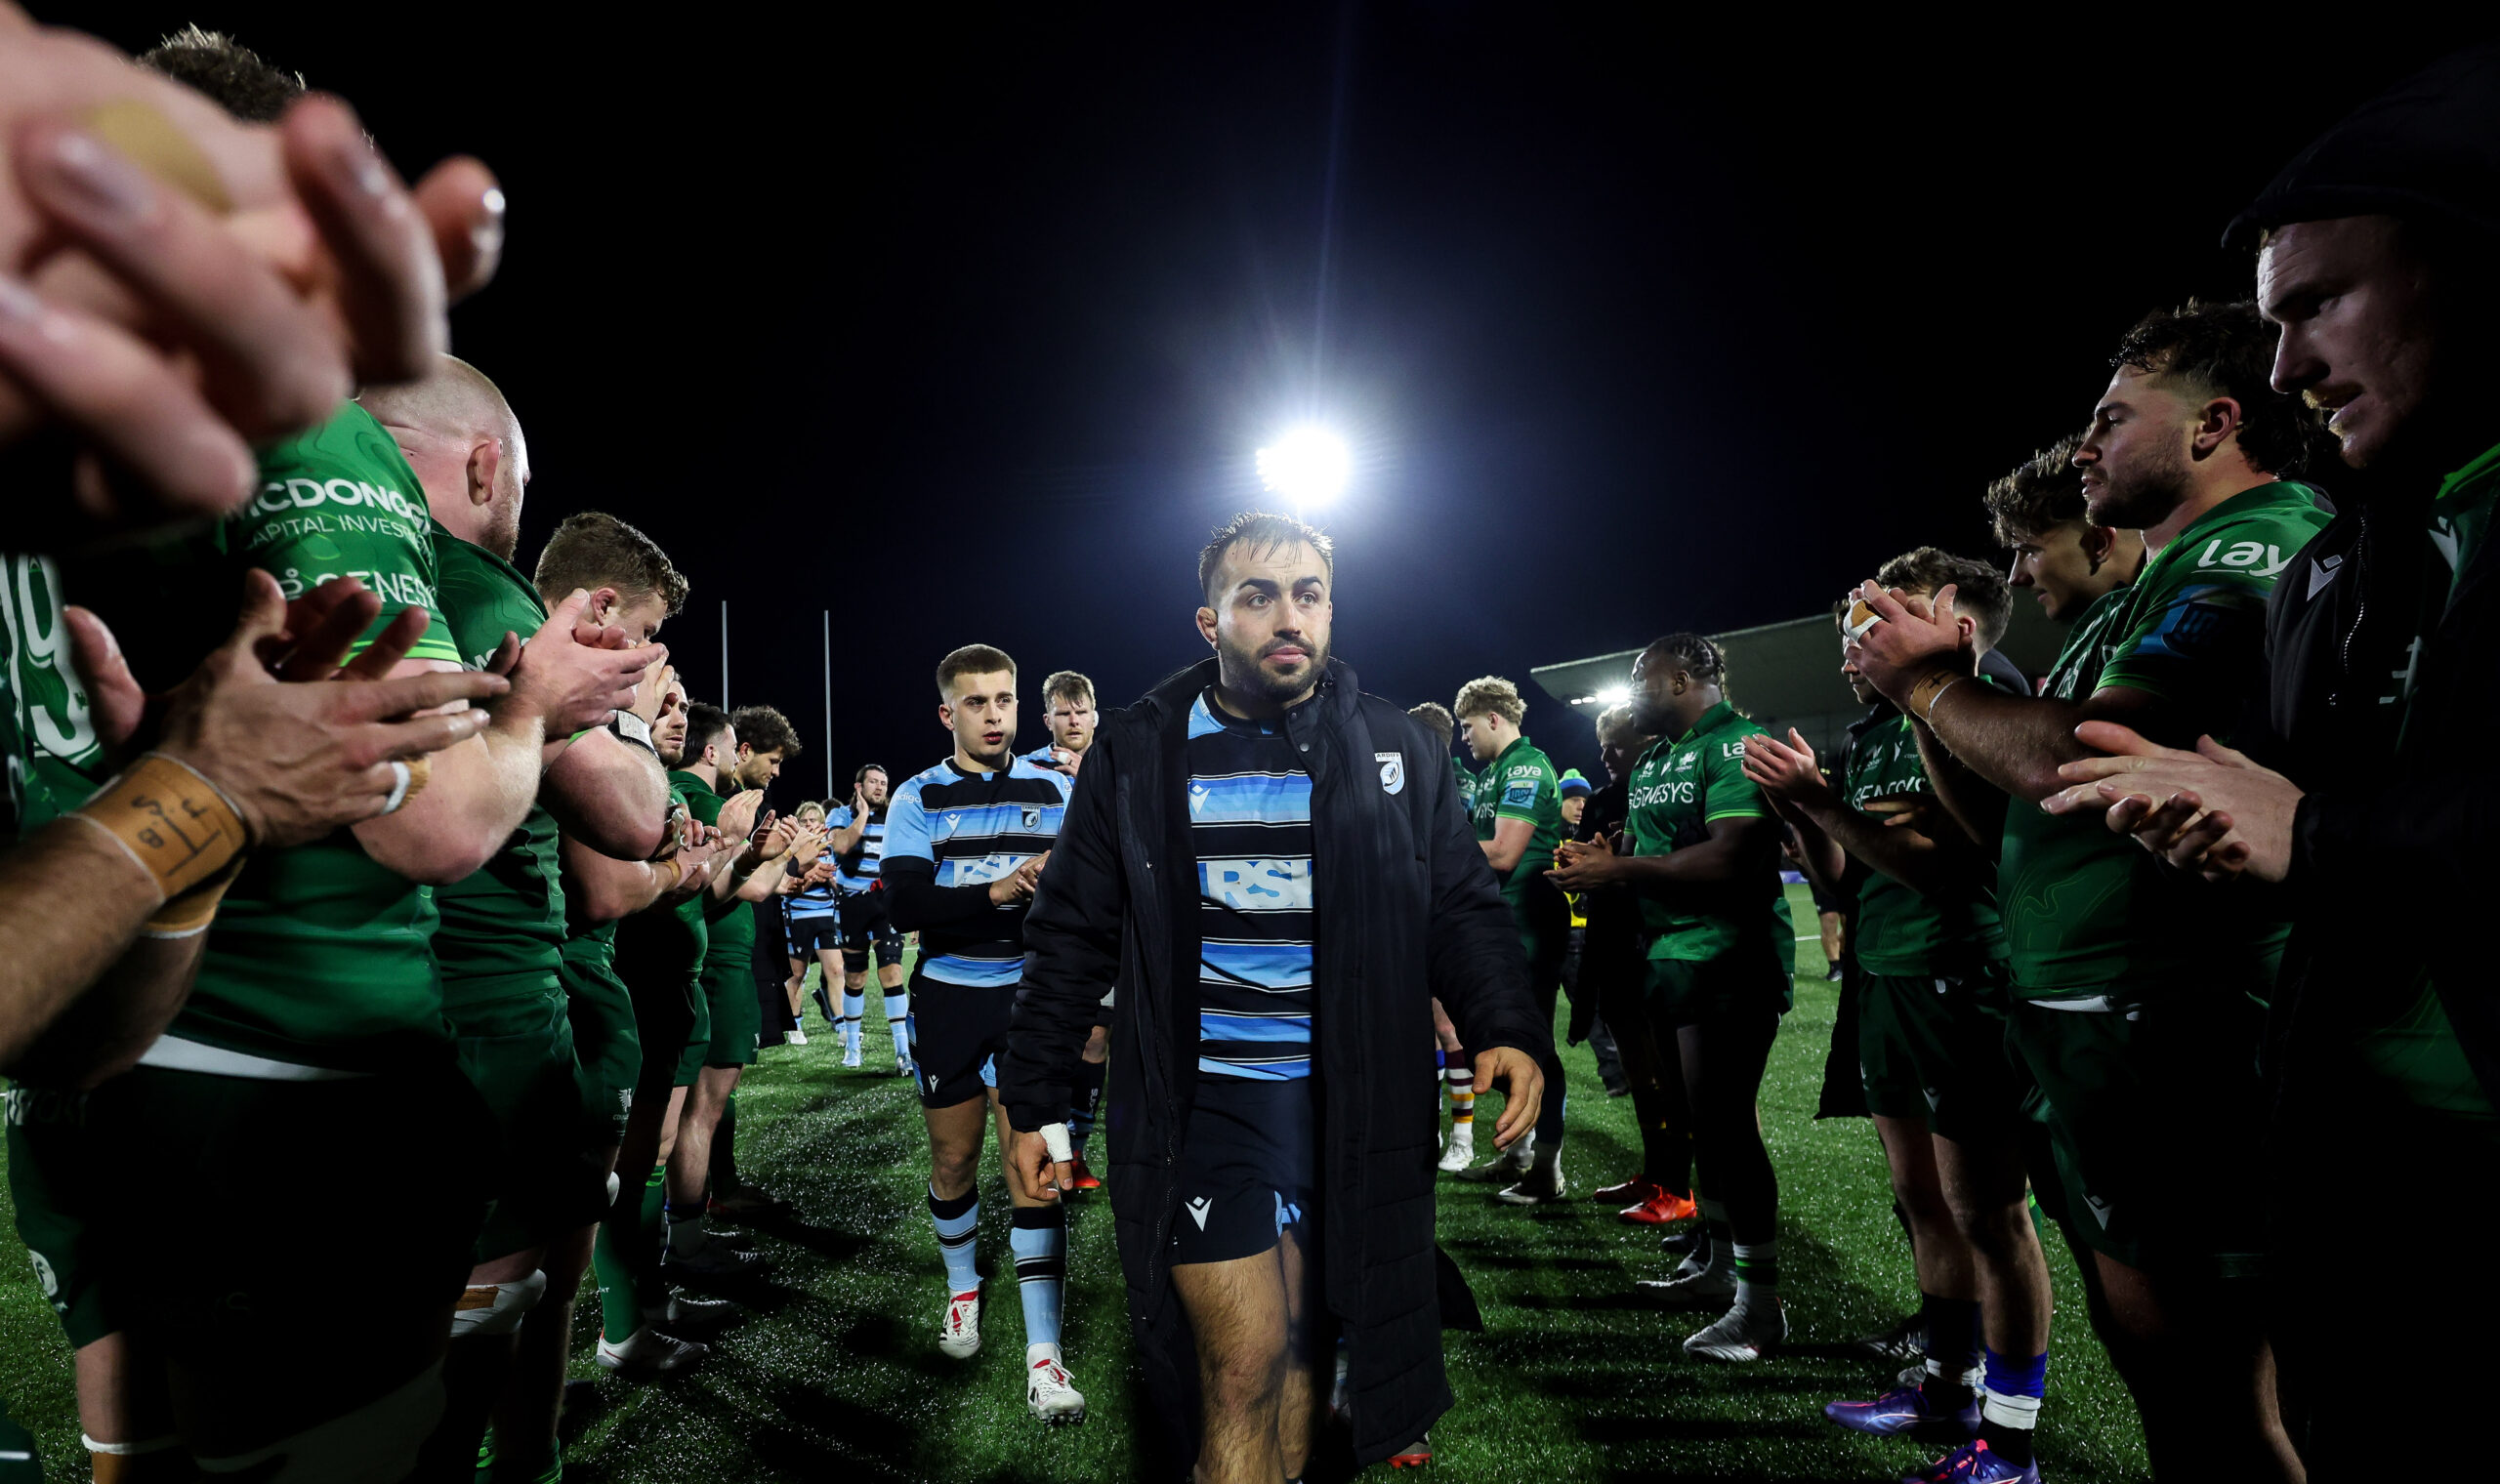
1406	909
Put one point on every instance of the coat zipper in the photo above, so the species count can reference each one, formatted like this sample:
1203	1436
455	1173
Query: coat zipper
2361	598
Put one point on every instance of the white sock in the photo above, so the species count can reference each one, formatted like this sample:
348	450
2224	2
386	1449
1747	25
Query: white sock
1035	1354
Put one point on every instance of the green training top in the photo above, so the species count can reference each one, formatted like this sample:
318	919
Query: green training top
1518	784
1466	782
503	926
728	926
1901	929
2085	909
1679	786
47	735
321	956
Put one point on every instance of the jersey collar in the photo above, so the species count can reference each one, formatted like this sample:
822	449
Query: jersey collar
1710	720
2252	498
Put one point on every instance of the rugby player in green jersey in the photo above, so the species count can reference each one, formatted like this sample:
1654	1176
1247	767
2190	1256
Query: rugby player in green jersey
743	751
2362	788
1703	858
500	940
638	927
1519	821
1946	1103
1458	1071
2139	992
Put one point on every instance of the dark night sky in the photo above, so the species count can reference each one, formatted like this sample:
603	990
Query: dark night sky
969	331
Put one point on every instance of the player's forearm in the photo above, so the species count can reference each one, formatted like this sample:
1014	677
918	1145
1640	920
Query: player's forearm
912	905
1905	856
844	840
71	905
603	888
764	882
480	792
1818	856
105	1032
609	794
2015	743
1975	805
1708	863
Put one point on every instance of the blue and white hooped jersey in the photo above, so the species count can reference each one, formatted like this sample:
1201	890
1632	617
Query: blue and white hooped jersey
968	830
1250	829
859	867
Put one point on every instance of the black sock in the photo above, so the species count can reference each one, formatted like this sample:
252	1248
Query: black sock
1952	1348
2012	1444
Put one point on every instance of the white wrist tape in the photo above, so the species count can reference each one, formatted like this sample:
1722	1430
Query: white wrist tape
1054	1137
631	728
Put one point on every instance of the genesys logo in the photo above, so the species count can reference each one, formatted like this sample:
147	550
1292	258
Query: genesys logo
1656	794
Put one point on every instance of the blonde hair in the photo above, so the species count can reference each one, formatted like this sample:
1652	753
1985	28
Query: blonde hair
1489	695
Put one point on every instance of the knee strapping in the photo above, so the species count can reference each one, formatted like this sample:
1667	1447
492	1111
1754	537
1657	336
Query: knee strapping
496	1308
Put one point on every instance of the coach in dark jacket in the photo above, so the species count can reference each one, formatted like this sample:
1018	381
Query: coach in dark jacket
1405	909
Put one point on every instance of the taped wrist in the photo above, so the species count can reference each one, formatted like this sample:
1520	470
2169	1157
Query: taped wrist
170	820
191	912
631	728
1055	1139
1924	690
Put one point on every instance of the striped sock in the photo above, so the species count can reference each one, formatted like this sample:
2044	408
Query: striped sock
1952	1327
1461	1077
854	1006
898	1021
2010	1406
1040	1243
1757	1272
958	1222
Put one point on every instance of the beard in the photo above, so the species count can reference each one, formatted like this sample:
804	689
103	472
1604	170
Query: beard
1241	671
2145	496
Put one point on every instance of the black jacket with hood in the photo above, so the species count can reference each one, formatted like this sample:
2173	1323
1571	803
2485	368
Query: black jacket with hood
1406	909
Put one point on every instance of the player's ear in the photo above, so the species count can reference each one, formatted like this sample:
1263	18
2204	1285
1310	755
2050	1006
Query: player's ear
483	461
1206	626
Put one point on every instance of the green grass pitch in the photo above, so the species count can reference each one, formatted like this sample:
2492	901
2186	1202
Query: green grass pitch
835	1371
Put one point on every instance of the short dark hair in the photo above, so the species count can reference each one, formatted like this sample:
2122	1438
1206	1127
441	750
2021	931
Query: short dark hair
763	729
1436	720
1700	656
865	769
704	723
972	659
1067	684
592	549
1980	589
2227	349
234	76
2044	491
1264	531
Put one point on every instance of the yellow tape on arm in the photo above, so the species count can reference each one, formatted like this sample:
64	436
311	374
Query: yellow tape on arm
169	819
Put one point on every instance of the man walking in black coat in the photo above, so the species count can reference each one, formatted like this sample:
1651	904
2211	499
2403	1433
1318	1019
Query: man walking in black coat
1274	871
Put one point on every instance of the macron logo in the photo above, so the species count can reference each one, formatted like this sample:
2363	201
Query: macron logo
2322	571
1198	1210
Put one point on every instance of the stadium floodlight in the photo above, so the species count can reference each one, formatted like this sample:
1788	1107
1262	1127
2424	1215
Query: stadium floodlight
1614	696
1308	466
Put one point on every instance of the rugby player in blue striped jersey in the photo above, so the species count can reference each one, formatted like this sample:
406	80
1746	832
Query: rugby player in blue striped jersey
965	843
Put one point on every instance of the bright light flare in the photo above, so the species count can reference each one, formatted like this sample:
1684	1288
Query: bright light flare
1614	696
1309	465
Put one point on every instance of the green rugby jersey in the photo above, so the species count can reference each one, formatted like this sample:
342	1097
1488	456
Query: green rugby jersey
728	926
320	955
47	735
1901	929
1519	784
663	943
2084	908
503	928
1679	786
1466	782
